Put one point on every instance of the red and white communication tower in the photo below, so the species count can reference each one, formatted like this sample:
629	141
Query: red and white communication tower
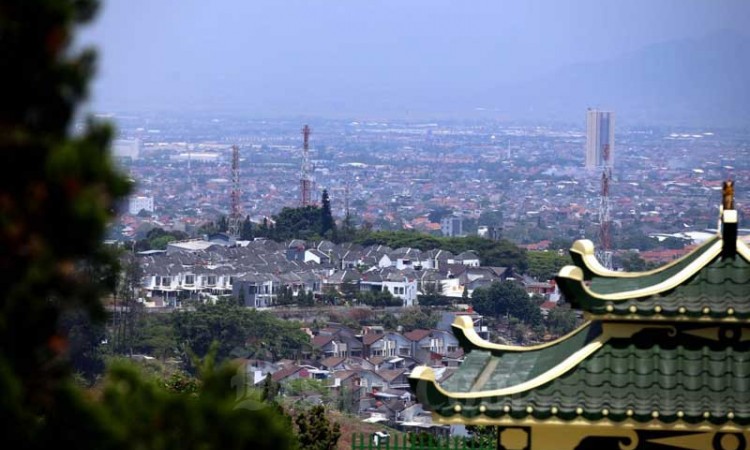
605	218
306	180
235	214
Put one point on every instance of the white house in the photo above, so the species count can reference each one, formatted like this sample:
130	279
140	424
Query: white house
385	261
401	286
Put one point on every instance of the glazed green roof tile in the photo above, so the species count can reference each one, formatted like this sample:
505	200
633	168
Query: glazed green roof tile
712	282
511	368
658	370
723	287
669	346
572	342
608	285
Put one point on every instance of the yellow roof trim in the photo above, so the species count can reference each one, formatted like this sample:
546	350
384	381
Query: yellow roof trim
743	250
609	331
670	283
585	248
661	318
467	326
581	422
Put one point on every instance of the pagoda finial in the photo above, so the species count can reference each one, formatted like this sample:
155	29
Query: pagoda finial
727	190
728	220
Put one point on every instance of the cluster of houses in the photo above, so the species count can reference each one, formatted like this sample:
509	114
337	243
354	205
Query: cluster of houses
368	368
260	271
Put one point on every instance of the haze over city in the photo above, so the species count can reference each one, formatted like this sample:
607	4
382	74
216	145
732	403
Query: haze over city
668	62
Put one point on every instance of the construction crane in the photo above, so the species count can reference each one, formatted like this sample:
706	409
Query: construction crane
605	218
306	177
235	214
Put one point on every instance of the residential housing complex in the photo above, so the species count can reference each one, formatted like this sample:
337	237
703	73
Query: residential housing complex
259	271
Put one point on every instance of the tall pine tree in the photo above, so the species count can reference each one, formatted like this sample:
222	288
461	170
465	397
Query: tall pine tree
327	224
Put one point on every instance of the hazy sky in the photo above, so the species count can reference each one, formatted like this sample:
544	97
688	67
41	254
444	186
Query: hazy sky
304	55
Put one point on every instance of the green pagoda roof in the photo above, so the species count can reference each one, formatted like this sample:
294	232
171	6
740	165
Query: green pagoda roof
712	282
667	349
614	371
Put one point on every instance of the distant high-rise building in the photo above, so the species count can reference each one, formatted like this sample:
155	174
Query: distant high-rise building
600	139
452	226
127	148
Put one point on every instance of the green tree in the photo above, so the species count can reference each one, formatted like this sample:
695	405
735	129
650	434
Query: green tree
85	338
378	299
423	439
53	215
296	223
545	265
348	230
506	299
238	331
389	321
247	232
327	224
561	243
432	296
437	214
632	262
561	320
270	389
160	243
181	383
155	336
286	296
491	218
58	192
128	311
315	431
305	298
417	318
482	436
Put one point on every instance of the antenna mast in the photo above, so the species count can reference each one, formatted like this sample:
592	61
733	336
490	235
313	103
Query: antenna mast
605	218
235	215
306	178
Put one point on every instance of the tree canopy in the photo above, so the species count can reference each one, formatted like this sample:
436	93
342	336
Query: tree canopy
58	191
545	265
238	331
506	299
500	253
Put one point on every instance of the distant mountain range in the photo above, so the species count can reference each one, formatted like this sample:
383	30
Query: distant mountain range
697	81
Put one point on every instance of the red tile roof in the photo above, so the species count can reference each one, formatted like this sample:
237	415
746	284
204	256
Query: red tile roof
371	338
332	361
285	373
321	341
417	335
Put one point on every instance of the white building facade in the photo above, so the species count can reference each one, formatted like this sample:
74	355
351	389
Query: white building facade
138	203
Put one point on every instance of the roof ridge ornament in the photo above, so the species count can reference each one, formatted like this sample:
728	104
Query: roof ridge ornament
727	191
728	220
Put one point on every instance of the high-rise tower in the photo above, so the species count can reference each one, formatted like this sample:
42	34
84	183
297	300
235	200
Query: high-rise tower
600	134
